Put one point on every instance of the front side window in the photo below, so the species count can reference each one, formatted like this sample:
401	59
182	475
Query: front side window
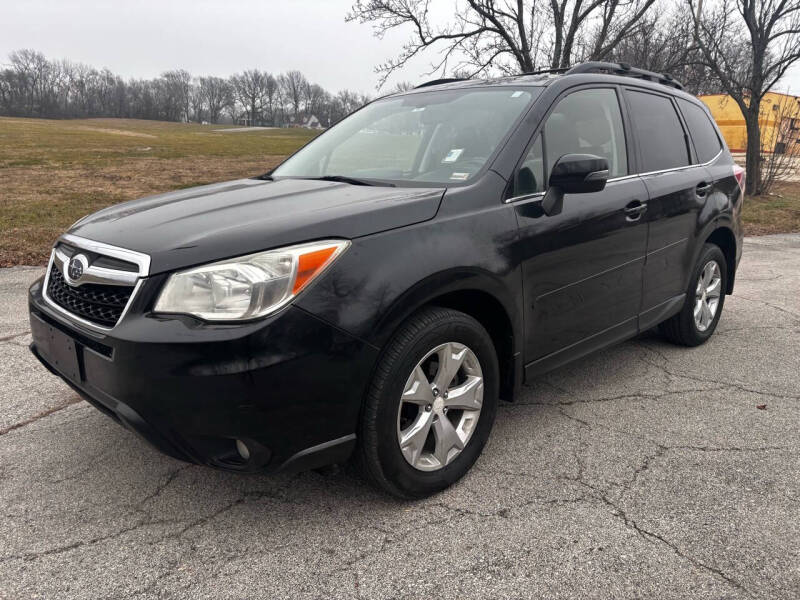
585	122
658	131
704	136
443	137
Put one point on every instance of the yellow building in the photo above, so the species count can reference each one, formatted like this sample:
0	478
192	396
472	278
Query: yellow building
779	118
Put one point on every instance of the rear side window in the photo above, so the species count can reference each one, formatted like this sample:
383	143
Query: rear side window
658	131
704	136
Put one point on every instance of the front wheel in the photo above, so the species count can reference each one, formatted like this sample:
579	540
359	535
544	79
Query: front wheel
704	300
431	404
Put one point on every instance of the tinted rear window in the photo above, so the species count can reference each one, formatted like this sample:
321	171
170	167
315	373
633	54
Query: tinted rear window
658	131
704	136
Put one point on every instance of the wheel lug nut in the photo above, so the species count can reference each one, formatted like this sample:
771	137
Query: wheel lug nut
435	392
428	408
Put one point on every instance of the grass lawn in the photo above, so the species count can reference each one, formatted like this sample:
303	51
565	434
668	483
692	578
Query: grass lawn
777	213
54	172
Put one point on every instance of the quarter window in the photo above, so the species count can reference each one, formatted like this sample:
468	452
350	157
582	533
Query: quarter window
658	131
530	177
705	138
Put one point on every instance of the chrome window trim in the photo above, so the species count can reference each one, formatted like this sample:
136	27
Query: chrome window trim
523	197
705	164
119	278
624	177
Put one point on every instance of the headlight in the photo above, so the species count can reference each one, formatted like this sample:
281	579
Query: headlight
250	286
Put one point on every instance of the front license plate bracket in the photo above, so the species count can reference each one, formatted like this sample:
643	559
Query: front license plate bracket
57	348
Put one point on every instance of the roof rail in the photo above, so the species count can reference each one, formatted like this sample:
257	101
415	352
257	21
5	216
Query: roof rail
439	82
626	70
545	71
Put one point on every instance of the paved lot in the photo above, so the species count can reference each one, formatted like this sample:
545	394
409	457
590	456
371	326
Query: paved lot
643	471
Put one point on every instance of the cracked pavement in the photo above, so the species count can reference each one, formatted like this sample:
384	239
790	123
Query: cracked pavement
645	470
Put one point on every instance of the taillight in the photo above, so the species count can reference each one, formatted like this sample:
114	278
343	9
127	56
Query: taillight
738	173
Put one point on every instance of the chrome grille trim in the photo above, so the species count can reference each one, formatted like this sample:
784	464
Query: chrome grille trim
96	275
92	274
137	258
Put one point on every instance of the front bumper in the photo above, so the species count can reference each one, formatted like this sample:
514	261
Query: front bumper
289	386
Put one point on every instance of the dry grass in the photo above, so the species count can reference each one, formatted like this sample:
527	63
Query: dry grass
54	172
777	213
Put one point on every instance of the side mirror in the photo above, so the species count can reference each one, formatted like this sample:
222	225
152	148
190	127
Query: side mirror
574	174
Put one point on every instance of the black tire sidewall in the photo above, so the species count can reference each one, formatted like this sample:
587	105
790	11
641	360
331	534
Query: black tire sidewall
395	468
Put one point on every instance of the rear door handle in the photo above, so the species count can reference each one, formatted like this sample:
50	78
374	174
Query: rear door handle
634	210
703	188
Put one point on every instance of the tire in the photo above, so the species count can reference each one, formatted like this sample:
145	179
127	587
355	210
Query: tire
393	408
684	328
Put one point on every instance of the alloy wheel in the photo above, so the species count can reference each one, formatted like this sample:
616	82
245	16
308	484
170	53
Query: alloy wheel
707	295
440	406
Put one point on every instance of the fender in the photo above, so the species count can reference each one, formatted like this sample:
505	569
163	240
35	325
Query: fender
385	277
444	283
721	222
475	292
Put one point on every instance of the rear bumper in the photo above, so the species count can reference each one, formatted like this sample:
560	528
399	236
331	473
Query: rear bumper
289	386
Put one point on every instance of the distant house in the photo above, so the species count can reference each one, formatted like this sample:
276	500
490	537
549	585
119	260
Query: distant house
779	118
312	122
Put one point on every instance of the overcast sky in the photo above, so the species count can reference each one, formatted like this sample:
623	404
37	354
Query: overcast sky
142	38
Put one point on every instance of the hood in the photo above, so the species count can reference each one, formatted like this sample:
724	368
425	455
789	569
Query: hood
203	224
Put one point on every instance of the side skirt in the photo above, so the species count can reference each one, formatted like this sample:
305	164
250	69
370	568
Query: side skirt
613	335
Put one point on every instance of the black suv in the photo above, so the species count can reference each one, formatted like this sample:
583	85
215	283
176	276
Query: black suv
379	291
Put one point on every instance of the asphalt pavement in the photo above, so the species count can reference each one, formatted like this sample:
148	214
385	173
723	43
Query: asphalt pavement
643	471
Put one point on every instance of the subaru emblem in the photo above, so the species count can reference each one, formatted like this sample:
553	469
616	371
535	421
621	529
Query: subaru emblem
75	268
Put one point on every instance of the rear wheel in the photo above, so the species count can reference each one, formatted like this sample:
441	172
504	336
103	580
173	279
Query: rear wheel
704	300
431	404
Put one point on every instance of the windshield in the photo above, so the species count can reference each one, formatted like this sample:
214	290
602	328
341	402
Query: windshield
430	137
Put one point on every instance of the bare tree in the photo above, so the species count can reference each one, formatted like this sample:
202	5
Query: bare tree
749	45
403	86
342	105
314	99
505	36
272	98
197	101
664	43
175	94
294	85
216	94
250	89
33	86
35	77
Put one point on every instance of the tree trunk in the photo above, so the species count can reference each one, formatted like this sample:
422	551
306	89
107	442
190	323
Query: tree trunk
753	168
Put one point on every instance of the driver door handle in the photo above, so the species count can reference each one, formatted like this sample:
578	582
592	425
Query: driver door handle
635	209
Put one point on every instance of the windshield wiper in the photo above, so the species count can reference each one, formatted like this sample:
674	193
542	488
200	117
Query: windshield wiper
350	180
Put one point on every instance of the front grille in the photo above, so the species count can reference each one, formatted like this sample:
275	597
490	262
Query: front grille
99	304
